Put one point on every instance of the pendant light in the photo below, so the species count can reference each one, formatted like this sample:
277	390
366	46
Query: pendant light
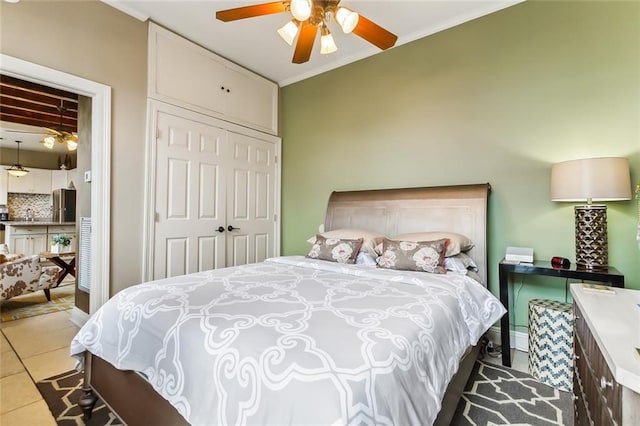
17	170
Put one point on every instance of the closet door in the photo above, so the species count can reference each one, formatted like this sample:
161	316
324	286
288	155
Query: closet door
190	196
214	194
251	207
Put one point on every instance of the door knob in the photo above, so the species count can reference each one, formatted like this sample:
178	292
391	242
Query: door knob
220	229
231	228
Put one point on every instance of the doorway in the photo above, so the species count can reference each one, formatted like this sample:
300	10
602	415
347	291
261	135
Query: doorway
99	175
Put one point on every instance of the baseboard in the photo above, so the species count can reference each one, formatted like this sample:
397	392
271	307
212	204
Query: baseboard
519	340
79	317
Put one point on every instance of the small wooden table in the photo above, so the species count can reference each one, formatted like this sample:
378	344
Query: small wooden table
57	259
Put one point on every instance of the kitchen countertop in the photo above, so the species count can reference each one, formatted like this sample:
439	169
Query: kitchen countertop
34	223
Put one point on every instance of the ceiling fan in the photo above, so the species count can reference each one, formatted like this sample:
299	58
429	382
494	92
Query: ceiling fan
58	134
308	17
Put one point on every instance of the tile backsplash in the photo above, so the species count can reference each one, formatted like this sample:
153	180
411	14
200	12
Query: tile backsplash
40	205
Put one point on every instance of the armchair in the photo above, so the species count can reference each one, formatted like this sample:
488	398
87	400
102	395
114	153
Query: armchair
25	275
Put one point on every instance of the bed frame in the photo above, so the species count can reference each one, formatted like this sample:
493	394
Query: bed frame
461	208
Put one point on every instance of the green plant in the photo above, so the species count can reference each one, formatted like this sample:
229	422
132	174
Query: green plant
63	240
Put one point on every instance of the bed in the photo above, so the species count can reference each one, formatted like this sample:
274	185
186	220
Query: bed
294	340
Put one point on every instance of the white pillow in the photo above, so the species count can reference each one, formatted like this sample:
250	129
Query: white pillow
365	259
461	263
457	242
370	239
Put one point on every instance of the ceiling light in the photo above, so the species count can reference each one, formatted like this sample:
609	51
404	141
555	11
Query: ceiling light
301	9
49	142
327	45
72	144
17	170
347	19
289	31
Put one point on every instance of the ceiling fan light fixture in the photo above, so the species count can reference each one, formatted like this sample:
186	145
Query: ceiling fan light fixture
327	44
49	142
72	143
347	19
301	9
289	31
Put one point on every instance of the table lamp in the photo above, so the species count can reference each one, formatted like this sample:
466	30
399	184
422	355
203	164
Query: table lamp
591	179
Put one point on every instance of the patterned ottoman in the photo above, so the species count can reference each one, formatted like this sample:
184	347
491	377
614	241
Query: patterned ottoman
551	343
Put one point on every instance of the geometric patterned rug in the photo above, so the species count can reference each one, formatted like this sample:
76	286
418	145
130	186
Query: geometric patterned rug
32	304
502	396
62	393
494	395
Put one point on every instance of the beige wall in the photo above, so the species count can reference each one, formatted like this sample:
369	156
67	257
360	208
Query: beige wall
35	159
95	41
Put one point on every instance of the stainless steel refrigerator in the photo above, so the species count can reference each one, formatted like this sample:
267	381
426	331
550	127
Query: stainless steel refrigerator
64	205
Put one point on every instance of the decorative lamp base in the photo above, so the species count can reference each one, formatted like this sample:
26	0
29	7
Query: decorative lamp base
591	237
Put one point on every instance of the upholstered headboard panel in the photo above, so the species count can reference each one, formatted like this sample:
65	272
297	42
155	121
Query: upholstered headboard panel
461	209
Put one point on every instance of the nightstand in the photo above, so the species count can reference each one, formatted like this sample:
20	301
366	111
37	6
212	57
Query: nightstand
543	267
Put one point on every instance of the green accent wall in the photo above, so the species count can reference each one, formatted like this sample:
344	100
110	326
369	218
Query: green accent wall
499	100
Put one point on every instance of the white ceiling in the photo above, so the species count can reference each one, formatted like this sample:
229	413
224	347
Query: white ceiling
254	44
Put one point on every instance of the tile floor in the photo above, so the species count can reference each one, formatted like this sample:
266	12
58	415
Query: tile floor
32	349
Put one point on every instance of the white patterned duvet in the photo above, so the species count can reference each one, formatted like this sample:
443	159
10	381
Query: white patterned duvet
295	341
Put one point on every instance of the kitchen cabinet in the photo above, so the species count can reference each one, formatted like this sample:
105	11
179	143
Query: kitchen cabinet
62	178
27	240
36	238
184	74
37	181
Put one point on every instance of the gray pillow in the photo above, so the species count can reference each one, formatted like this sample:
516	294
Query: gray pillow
424	256
335	249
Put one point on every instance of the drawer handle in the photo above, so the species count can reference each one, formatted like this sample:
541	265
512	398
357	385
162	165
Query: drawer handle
576	357
604	383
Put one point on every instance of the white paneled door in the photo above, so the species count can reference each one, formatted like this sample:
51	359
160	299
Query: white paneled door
214	197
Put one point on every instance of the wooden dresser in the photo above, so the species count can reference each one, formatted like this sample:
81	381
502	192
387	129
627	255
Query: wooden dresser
606	378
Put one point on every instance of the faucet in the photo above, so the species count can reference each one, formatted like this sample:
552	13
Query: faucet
29	215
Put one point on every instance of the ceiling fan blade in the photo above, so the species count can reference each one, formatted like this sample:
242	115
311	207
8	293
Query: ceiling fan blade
306	37
374	33
251	11
54	132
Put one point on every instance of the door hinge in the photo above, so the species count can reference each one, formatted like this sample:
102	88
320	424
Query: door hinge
158	133
156	217
275	159
275	217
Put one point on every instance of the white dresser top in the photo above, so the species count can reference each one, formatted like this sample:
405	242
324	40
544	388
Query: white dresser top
614	320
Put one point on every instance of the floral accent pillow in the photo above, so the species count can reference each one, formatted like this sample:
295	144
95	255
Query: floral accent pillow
424	256
335	249
370	239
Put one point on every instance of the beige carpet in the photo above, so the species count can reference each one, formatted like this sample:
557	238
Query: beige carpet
32	304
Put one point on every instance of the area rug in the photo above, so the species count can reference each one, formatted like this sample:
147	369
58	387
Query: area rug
499	395
62	392
33	304
494	395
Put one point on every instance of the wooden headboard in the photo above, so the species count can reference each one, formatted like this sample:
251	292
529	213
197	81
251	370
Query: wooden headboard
460	208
